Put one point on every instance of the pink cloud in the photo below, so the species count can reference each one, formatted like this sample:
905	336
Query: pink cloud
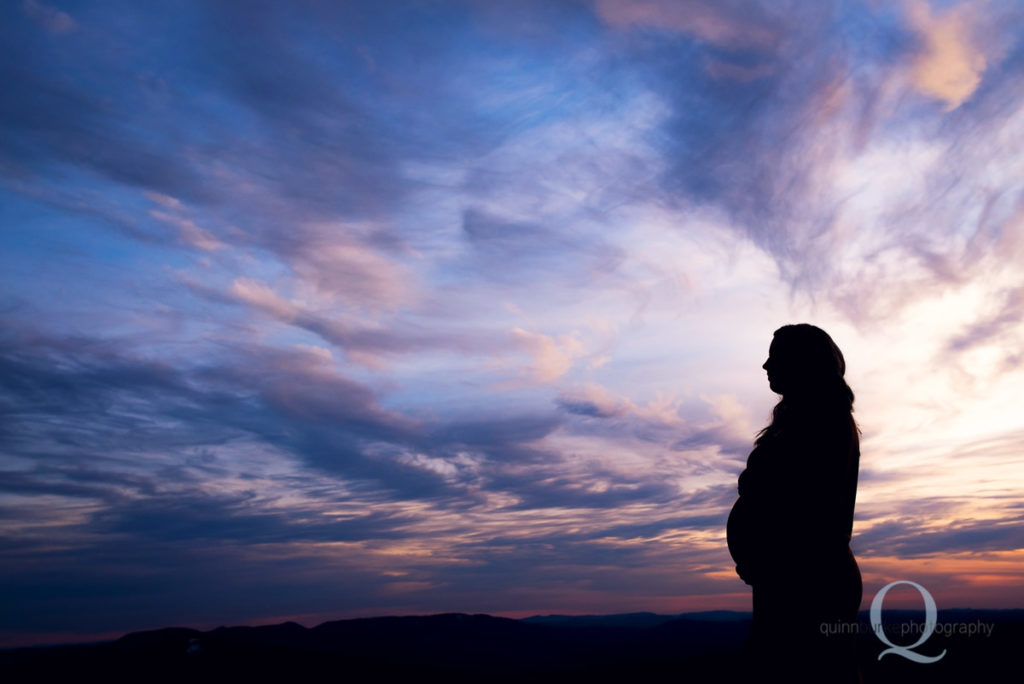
552	357
261	296
952	60
53	20
712	22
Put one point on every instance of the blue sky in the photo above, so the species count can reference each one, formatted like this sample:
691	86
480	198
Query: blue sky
323	310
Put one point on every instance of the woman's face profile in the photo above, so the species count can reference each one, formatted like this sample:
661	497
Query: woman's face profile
779	369
796	364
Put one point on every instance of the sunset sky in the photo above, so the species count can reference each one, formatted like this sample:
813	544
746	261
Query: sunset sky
314	310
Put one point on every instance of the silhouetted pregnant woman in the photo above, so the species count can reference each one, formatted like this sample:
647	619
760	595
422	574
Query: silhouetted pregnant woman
789	532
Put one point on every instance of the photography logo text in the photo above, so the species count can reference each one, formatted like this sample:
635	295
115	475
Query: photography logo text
930	618
900	630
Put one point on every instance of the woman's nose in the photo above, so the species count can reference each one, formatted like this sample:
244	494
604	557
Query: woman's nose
765	365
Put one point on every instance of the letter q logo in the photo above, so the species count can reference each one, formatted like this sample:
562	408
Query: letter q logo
930	616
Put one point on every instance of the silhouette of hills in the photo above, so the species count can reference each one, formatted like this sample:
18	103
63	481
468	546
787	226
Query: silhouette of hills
640	620
693	647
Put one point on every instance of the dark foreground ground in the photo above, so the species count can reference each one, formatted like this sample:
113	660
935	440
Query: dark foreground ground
696	647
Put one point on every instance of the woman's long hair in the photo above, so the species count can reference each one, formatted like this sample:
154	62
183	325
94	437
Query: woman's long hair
816	367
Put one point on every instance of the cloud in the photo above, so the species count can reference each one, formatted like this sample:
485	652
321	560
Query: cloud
345	264
55	121
552	357
240	518
191	234
728	24
719	422
259	295
232	451
951	62
910	537
521	253
753	132
253	394
290	401
592	401
793	143
1009	312
368	343
53	20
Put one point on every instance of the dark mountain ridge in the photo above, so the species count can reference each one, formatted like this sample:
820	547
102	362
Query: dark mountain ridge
695	647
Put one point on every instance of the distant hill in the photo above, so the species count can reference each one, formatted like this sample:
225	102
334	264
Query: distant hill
638	620
692	647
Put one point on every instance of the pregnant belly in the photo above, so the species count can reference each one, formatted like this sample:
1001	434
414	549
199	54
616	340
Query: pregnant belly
740	532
